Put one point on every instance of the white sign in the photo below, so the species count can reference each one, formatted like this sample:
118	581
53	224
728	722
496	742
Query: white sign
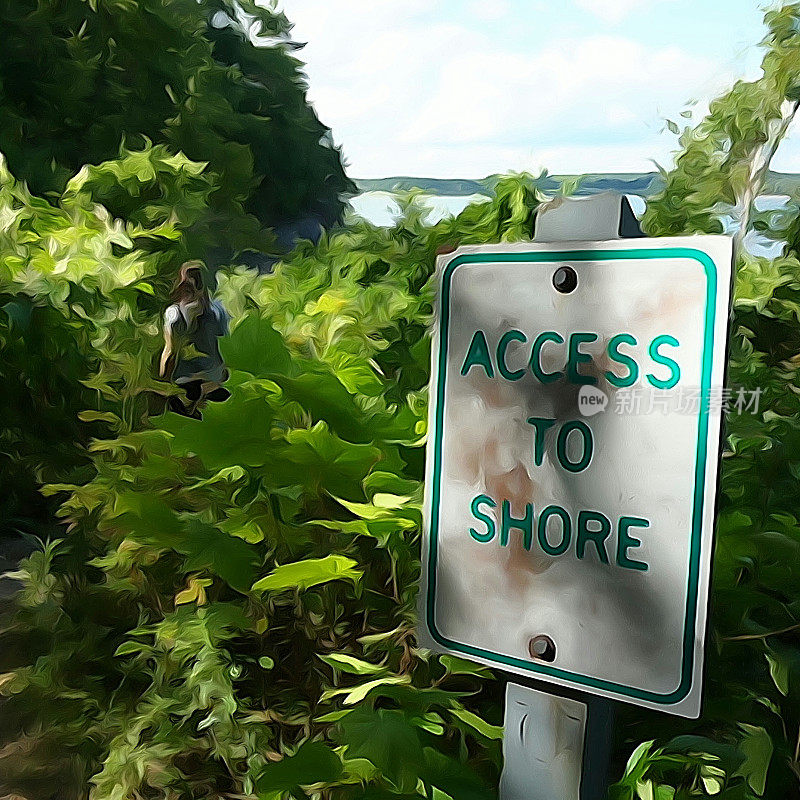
575	410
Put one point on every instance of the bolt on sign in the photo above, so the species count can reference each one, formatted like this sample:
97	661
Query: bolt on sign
572	462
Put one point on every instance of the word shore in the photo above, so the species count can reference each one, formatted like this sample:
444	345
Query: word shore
555	531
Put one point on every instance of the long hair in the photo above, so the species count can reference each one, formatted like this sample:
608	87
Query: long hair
190	285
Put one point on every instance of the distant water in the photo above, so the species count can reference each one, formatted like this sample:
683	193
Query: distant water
383	209
757	243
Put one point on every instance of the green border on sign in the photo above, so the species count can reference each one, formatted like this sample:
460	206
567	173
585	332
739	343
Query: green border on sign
700	463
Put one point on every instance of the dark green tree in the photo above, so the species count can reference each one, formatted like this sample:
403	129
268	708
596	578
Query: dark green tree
214	79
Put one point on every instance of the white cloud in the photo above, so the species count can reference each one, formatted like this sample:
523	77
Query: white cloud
579	159
588	85
489	10
614	11
406	93
478	160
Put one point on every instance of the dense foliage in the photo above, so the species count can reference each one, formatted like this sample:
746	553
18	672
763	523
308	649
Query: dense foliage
239	589
214	79
226	607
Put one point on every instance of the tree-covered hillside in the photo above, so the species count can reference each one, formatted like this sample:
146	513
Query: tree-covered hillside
645	184
214	79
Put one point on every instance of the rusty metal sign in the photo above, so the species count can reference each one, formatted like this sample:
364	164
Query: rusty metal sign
574	432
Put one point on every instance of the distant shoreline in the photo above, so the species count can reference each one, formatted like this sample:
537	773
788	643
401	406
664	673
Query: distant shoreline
645	184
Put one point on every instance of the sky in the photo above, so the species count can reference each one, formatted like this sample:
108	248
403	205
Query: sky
467	88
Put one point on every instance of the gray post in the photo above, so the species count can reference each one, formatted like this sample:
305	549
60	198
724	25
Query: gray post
557	748
542	746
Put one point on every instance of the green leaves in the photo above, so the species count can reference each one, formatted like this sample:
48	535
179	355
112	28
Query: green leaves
779	670
222	440
478	724
310	572
392	743
237	108
347	663
149	520
255	347
227	556
315	457
160	661
173	639
357	694
757	748
313	763
388	741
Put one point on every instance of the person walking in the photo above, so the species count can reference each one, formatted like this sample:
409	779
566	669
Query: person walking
193	325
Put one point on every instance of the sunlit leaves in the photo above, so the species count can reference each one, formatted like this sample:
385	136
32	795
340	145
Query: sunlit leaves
478	724
206	87
357	694
310	572
347	663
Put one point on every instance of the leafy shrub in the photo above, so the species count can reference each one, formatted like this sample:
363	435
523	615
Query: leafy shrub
241	590
75	286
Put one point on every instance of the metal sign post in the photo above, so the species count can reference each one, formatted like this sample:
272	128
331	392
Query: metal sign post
558	748
555	748
571	477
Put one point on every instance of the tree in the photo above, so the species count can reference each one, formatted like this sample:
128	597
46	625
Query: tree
214	79
724	160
